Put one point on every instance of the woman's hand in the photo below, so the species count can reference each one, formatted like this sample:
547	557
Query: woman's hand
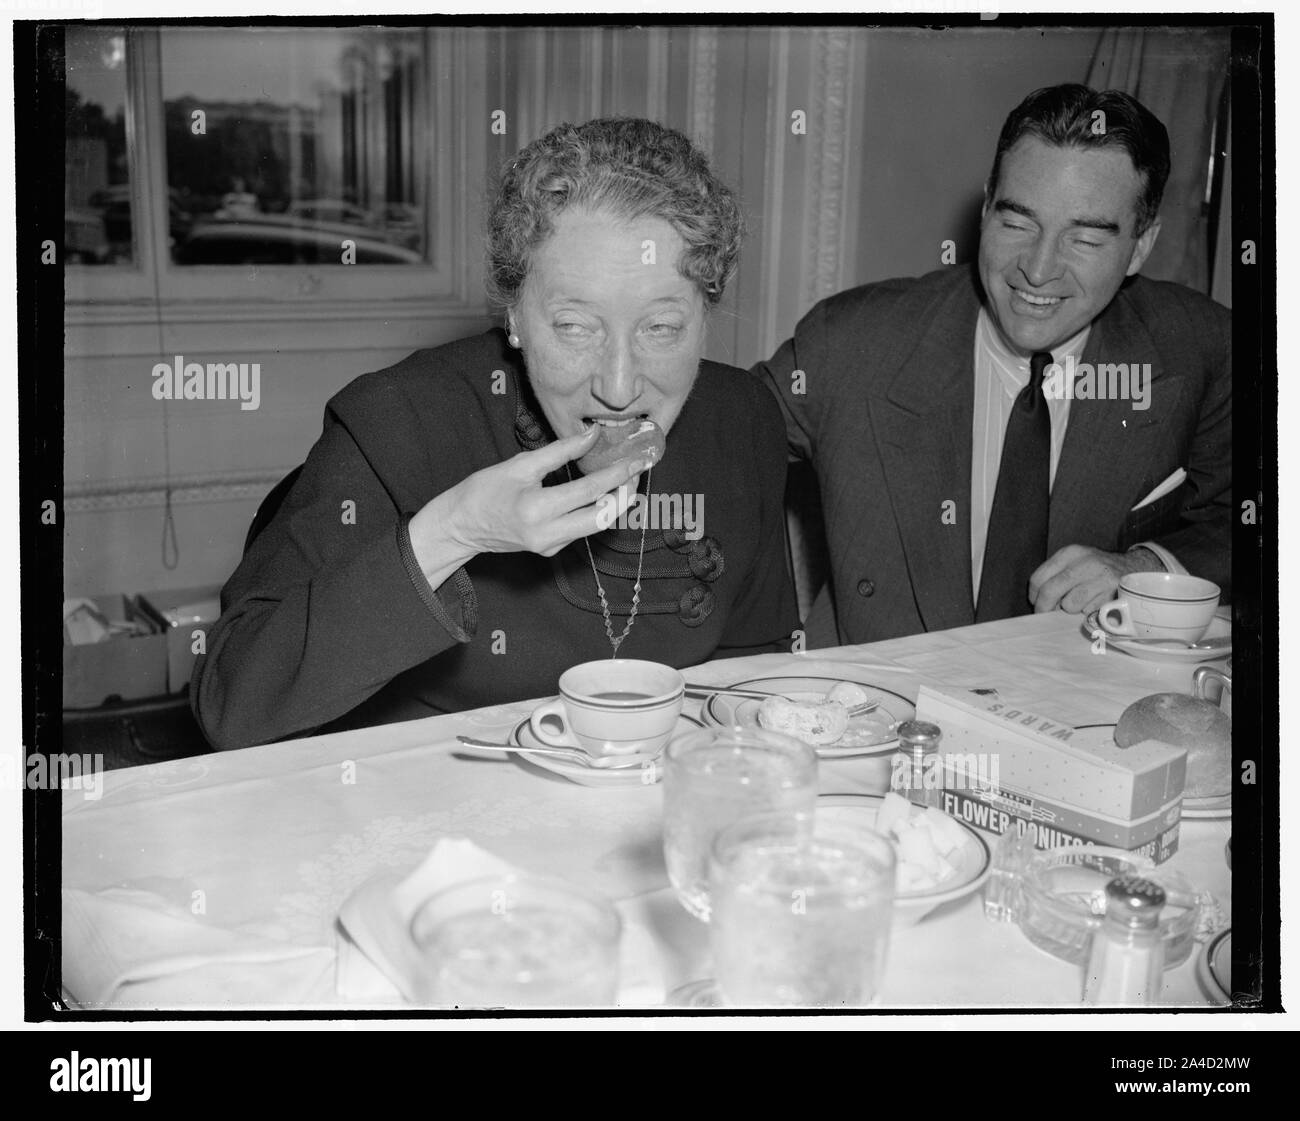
505	509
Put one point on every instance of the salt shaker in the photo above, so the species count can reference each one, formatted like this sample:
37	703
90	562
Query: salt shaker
1127	962
917	768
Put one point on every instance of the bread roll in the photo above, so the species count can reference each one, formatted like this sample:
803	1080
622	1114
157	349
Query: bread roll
1187	722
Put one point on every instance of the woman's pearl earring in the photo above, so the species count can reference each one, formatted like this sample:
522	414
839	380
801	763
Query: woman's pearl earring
513	340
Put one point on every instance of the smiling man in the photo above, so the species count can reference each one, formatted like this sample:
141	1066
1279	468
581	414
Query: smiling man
1019	436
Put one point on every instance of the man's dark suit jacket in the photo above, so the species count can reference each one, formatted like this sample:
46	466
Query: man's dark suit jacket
886	412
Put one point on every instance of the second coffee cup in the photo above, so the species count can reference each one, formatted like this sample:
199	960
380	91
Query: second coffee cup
1160	605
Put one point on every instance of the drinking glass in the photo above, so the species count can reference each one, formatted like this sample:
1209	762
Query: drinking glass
716	776
801	911
516	942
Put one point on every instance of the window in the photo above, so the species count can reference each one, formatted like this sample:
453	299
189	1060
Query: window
225	172
97	192
295	146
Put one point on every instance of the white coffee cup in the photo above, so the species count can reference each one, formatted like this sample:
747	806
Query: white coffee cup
1160	605
619	706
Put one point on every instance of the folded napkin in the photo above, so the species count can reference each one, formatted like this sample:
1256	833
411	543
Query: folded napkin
378	961
129	948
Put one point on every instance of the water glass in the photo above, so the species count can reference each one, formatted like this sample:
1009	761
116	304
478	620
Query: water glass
715	776
801	911
516	942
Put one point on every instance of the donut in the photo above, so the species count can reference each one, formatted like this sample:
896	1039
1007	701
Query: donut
816	724
616	443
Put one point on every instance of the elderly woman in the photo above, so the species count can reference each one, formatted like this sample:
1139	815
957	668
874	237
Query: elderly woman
454	538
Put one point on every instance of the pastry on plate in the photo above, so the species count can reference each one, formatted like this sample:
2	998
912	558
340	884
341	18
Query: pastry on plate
816	724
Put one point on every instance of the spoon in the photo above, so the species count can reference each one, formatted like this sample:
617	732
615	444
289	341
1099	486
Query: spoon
1219	642
703	692
569	754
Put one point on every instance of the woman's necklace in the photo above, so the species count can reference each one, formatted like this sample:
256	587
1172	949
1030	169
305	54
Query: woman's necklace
636	588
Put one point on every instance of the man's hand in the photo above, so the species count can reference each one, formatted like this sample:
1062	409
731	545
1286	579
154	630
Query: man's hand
1079	579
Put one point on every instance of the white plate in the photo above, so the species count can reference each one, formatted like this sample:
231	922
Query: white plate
1215	808
1214	967
646	775
1219	628
972	860
875	728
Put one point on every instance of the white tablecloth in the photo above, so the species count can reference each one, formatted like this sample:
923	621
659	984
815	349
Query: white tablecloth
265	844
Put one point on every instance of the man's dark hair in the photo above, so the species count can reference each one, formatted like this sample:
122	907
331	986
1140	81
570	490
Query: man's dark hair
1065	116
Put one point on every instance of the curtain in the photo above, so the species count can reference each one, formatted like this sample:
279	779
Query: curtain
1180	76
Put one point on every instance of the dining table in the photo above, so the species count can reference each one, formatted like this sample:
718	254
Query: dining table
216	882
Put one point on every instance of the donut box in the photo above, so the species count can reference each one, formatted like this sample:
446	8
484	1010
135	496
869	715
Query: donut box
996	811
1002	764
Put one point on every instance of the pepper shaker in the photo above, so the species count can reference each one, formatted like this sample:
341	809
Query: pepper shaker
918	773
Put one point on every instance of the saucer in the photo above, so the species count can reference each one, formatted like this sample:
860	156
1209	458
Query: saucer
645	775
1138	648
1214	968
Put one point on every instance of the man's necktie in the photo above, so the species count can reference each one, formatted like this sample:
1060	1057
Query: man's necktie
1017	539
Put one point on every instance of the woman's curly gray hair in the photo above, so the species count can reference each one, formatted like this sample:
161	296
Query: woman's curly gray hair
629	167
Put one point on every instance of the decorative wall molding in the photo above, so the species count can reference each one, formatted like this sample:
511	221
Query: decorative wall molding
657	74
777	262
530	58
591	95
135	494
828	166
702	96
243	311
396	329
